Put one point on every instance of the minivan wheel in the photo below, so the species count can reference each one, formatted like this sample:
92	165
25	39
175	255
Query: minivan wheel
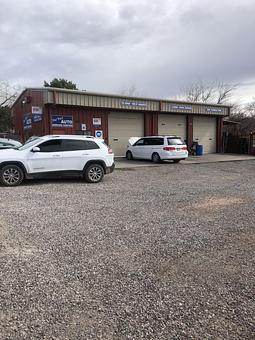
176	160
11	175
94	173
155	158
129	155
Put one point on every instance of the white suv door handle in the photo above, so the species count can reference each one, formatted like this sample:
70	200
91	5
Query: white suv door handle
85	154
55	156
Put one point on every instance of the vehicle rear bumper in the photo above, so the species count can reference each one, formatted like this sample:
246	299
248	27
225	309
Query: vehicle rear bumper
110	169
174	155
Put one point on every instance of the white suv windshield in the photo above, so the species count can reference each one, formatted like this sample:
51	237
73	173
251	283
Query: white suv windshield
175	141
29	144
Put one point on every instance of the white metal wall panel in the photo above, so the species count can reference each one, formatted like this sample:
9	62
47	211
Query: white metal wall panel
121	127
169	124
204	132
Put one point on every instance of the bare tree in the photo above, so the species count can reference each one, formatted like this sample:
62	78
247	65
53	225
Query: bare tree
225	92
130	91
250	109
218	93
243	110
8	93
244	114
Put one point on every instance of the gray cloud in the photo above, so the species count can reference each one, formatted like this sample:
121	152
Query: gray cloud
104	45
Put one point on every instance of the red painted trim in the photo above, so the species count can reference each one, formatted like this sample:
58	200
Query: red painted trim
219	134
189	130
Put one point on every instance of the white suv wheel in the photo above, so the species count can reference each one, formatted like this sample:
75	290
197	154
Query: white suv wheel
94	173
11	175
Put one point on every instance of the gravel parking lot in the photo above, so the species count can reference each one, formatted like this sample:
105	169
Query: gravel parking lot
161	252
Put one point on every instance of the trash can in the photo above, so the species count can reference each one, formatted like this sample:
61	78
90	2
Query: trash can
199	150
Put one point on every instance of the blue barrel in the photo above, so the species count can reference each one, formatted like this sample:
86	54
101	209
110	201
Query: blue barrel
199	150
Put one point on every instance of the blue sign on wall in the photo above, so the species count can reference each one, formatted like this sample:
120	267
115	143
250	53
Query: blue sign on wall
27	121
132	103
182	107
62	121
36	117
214	109
99	133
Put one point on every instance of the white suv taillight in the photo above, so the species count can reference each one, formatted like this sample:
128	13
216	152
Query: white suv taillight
109	150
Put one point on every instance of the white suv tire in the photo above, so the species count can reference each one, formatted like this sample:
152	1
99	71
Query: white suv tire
11	175
94	173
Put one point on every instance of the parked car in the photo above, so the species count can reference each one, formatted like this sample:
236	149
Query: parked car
7	143
157	148
83	156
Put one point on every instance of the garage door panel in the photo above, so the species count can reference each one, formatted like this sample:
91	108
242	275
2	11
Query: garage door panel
122	126
169	124
204	132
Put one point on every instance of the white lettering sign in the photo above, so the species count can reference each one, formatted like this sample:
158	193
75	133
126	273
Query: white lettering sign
97	121
37	110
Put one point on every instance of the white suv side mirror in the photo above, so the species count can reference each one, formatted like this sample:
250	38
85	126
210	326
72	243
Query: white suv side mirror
35	149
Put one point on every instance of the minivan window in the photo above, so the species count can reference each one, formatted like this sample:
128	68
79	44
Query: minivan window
156	141
139	142
175	141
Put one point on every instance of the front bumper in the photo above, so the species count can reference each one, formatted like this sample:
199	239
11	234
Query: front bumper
110	169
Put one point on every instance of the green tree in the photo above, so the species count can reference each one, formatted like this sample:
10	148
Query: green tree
61	83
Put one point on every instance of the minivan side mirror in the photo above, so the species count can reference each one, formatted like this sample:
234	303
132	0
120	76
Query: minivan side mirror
35	149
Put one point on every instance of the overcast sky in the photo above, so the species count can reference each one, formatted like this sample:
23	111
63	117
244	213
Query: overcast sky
157	46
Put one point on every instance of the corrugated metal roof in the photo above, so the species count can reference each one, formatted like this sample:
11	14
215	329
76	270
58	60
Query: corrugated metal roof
118	101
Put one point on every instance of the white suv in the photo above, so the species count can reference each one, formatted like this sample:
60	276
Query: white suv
157	148
47	156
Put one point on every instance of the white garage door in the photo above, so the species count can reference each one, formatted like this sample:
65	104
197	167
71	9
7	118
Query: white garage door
172	125
121	127
204	132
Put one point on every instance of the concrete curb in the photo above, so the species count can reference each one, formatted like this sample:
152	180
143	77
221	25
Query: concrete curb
124	164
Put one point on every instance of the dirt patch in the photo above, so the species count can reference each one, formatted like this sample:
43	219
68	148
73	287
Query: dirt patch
218	202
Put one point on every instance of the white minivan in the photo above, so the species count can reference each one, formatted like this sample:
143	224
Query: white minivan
157	148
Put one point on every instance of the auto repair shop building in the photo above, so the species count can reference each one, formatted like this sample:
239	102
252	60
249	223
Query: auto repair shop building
42	111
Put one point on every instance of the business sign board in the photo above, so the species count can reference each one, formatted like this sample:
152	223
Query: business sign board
27	121
132	103
36	117
97	121
37	110
62	121
181	107
214	109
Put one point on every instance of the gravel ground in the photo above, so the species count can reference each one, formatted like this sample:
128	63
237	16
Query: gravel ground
150	253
